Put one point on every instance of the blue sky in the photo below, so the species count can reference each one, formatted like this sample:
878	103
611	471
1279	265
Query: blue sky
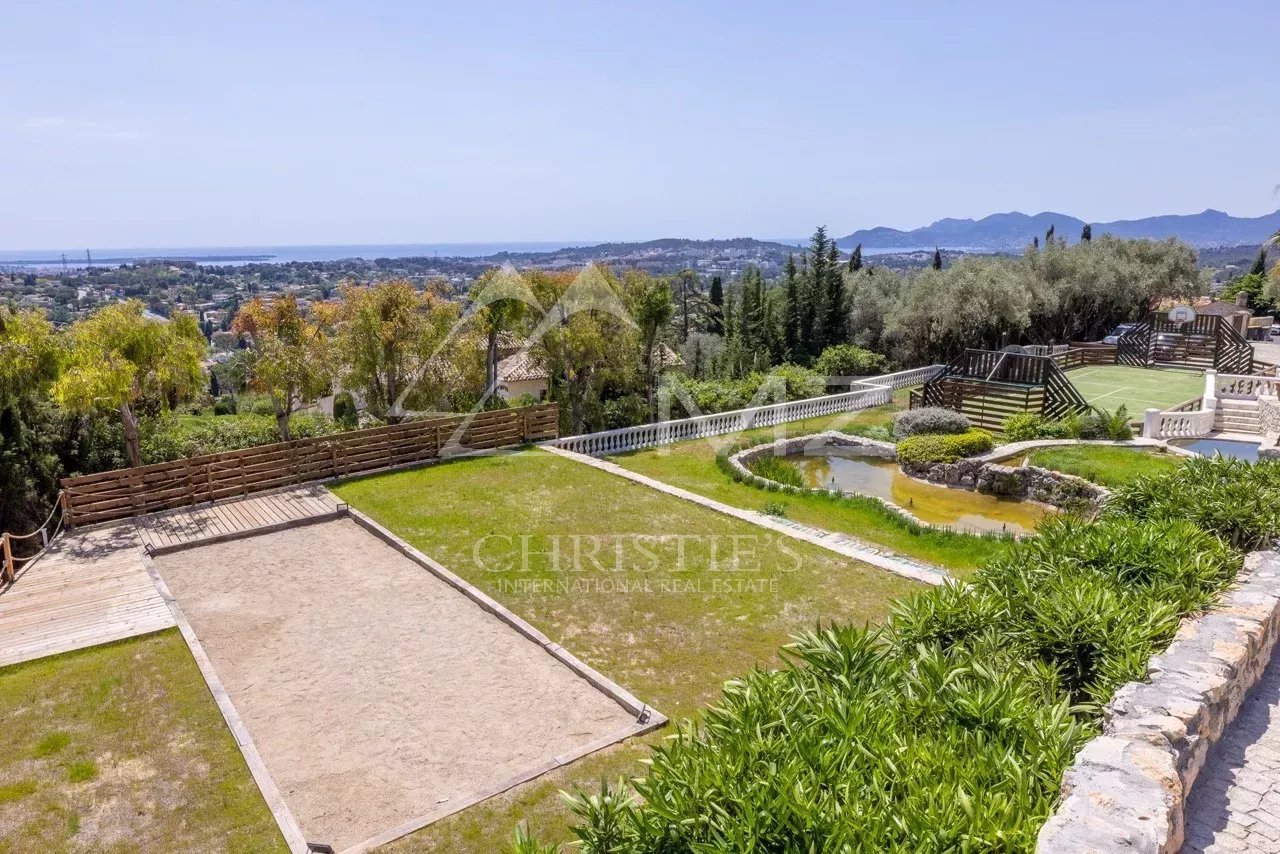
254	123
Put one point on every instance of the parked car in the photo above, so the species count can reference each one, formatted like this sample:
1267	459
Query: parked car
1114	337
1274	331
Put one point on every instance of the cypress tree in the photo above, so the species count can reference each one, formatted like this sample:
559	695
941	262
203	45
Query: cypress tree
1260	265
937	258
1035	243
716	323
1048	237
818	290
855	259
1086	233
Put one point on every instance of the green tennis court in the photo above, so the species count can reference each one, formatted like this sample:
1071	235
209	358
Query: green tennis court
1138	389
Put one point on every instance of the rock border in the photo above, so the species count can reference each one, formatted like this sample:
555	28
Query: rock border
982	473
1128	787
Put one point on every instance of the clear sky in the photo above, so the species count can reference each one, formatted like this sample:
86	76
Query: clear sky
132	124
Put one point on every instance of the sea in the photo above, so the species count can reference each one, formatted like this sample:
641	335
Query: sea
223	255
53	259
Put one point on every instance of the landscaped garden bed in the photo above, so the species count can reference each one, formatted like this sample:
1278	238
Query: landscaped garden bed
699	466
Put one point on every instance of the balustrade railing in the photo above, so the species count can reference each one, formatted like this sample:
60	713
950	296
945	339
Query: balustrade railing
875	391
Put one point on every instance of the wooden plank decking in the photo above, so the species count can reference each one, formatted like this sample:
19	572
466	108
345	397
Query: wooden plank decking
92	586
266	511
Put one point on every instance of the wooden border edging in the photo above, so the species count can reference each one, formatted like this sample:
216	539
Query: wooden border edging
647	718
288	825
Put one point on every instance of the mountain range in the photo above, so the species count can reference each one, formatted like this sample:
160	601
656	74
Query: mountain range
1010	232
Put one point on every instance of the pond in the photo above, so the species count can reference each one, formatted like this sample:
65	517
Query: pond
1247	451
847	470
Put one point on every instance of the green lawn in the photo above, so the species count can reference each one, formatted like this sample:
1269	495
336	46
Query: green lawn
1106	465
121	748
692	465
640	585
1138	389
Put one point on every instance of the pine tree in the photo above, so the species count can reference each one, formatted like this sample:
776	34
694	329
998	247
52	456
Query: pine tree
792	323
835	320
1260	265
855	259
1086	233
716	324
937	258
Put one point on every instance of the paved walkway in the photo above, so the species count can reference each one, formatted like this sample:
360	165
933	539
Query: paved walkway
92	586
841	544
1235	802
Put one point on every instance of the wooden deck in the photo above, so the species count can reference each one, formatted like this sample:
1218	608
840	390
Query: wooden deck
92	585
183	527
89	588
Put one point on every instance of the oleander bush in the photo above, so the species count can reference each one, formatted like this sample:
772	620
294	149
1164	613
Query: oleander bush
943	447
1234	499
928	419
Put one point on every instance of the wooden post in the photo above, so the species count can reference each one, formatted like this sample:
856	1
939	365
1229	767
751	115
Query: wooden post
8	557
66	508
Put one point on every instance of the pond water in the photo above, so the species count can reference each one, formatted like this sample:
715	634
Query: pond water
839	468
1208	447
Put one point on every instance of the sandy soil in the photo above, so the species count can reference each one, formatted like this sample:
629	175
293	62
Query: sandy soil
374	692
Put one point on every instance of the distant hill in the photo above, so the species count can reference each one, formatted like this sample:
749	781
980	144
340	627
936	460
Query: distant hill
1010	232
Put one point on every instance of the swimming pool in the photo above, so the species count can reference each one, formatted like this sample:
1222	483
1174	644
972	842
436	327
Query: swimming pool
1226	447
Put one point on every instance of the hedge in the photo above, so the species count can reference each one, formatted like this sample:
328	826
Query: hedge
944	448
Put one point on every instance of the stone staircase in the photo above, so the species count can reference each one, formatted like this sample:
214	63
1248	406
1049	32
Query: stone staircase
1237	416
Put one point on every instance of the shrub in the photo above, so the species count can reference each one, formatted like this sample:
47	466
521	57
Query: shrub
1022	427
776	469
846	360
1236	500
344	410
929	419
775	508
943	448
225	405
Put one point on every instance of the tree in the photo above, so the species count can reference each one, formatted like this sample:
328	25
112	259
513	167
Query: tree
937	258
30	358
717	306
501	297
1086	233
1259	267
652	312
834	324
387	334
846	360
119	359
290	354
855	259
1048	235
793	320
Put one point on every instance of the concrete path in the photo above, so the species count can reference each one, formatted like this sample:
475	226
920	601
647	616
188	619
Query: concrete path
841	544
1235	802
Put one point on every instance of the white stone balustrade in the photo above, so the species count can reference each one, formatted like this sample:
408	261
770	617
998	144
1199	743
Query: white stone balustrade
875	391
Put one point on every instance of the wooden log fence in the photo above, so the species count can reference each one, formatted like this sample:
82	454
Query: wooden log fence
124	493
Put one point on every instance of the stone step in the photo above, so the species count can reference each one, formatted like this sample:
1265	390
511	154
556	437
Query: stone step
1242	405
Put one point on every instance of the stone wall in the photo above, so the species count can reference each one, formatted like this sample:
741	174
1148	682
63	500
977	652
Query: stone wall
1127	790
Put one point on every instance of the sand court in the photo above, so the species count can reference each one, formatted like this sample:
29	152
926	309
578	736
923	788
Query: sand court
374	691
